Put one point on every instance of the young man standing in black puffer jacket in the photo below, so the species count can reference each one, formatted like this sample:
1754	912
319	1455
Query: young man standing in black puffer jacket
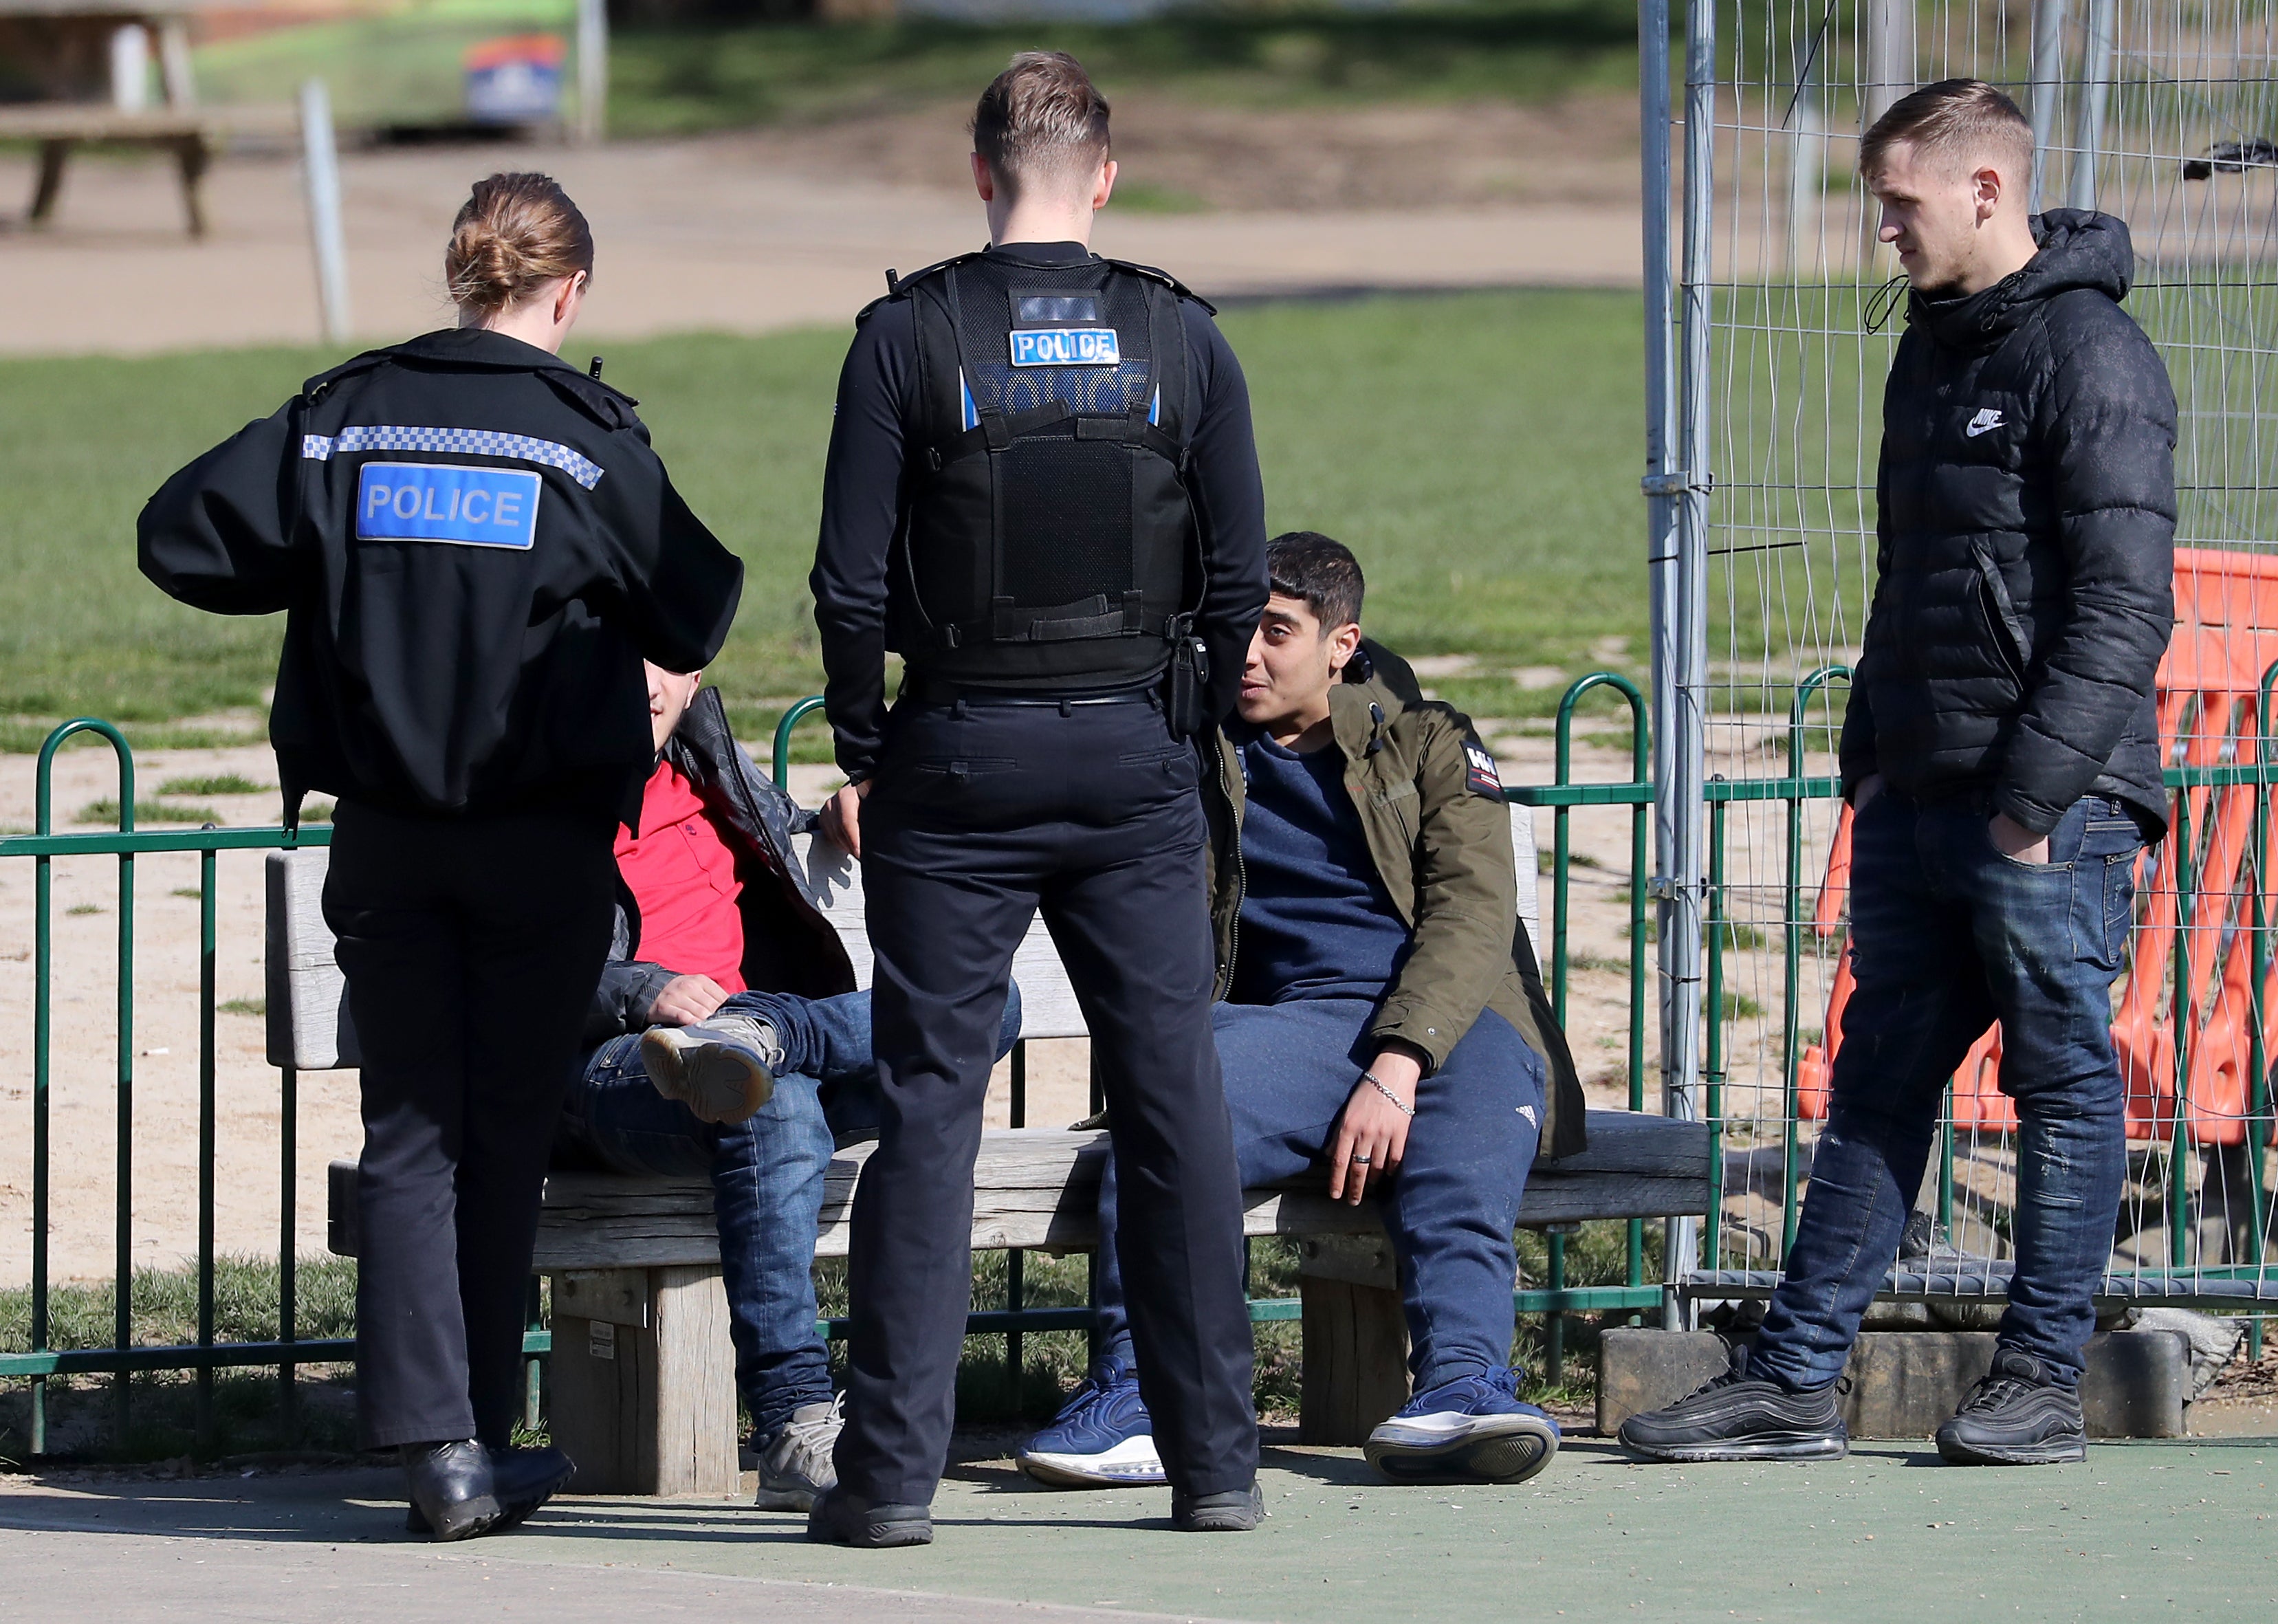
2002	756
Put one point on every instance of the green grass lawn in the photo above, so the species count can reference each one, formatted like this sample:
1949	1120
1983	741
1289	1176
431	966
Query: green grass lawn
403	66
677	81
1479	451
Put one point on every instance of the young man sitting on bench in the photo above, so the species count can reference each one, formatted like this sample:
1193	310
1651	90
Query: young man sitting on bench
1380	1012
693	1068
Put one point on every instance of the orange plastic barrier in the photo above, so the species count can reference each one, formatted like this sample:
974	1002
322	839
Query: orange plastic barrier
2209	701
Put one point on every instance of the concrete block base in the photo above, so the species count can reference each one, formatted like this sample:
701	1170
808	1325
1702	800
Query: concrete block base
1903	1385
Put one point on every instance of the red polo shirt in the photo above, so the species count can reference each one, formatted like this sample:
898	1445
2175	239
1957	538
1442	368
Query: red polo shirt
684	877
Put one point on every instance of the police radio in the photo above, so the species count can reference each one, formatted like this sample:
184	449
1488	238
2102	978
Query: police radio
1184	705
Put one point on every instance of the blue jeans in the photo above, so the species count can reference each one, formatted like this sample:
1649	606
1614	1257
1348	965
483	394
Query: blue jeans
1451	1208
1947	936
767	1174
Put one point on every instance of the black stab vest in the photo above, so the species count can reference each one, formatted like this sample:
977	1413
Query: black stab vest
1047	531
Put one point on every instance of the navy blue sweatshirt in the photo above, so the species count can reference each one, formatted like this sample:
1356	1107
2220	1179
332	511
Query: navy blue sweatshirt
1316	922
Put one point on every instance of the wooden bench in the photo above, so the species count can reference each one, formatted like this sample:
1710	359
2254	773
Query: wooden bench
643	1394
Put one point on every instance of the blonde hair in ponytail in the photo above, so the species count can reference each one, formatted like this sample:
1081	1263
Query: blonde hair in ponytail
514	235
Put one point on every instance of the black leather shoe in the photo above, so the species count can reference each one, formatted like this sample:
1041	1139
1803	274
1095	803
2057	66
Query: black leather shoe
2015	1416
521	1481
1237	1511
844	1519
454	1491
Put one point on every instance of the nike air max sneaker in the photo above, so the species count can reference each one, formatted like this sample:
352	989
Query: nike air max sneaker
1734	1417
723	1069
2015	1416
1474	1428
1102	1439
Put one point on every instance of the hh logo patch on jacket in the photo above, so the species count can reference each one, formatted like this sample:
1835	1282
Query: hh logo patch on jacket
1480	770
434	501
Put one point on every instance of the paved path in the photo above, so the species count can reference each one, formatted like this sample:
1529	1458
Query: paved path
692	235
2141	1530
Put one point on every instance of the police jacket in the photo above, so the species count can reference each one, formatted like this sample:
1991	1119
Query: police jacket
475	547
888	460
1438	830
789	947
2025	543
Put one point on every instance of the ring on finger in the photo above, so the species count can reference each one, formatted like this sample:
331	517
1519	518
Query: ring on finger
1360	1158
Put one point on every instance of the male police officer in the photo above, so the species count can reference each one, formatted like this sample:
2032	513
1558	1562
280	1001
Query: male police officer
1042	491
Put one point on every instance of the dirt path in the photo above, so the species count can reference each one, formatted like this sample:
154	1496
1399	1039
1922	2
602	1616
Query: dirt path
749	233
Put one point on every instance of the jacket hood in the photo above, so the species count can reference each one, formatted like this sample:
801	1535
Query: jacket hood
2079	250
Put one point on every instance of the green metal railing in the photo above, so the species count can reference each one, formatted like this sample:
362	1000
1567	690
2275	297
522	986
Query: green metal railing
1563	797
287	1353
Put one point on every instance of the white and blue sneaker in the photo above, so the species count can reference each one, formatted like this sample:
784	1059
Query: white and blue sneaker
1474	1428
1102	1439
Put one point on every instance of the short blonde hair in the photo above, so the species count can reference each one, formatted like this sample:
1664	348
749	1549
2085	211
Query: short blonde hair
1956	119
1042	116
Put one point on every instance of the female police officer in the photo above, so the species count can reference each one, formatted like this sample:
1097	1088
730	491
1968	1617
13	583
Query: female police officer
476	548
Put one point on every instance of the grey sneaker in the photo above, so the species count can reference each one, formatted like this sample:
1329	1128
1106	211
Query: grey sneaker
1735	1417
722	1071
795	1466
2015	1416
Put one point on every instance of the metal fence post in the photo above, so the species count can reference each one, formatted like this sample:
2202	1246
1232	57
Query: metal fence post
2095	96
2048	92
320	176
1680	637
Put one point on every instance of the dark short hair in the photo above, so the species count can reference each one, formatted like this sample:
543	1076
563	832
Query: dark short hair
1308	565
1042	116
1954	119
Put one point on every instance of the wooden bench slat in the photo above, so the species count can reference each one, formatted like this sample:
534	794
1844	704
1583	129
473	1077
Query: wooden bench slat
1038	1187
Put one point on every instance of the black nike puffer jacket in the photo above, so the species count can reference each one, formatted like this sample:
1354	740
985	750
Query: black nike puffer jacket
2025	557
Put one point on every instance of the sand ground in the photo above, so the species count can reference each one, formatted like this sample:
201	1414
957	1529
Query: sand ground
729	234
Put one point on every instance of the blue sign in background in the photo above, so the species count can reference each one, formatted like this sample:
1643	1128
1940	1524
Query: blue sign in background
435	501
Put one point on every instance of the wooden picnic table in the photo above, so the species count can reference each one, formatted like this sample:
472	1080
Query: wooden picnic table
62	50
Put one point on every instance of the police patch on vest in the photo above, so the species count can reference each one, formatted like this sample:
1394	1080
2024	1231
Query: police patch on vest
1065	347
1480	775
434	501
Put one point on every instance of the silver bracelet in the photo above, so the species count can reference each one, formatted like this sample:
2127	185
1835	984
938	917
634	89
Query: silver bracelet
1377	1083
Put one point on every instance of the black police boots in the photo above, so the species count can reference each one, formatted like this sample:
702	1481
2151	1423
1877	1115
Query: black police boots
461	1488
844	1519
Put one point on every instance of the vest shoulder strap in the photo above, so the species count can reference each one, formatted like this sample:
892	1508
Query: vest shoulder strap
898	286
1162	277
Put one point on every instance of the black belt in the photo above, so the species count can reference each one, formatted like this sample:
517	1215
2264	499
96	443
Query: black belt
929	690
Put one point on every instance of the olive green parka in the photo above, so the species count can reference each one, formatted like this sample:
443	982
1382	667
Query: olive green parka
1438	830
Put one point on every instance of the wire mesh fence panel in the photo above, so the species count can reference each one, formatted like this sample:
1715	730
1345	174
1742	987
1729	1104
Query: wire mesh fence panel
2163	112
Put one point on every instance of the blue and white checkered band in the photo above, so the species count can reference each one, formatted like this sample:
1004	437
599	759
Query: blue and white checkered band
468	442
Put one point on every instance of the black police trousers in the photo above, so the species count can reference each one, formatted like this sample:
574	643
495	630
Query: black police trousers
471	947
982	813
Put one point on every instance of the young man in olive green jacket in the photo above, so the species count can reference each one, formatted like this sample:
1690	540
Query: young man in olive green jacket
1378	1010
